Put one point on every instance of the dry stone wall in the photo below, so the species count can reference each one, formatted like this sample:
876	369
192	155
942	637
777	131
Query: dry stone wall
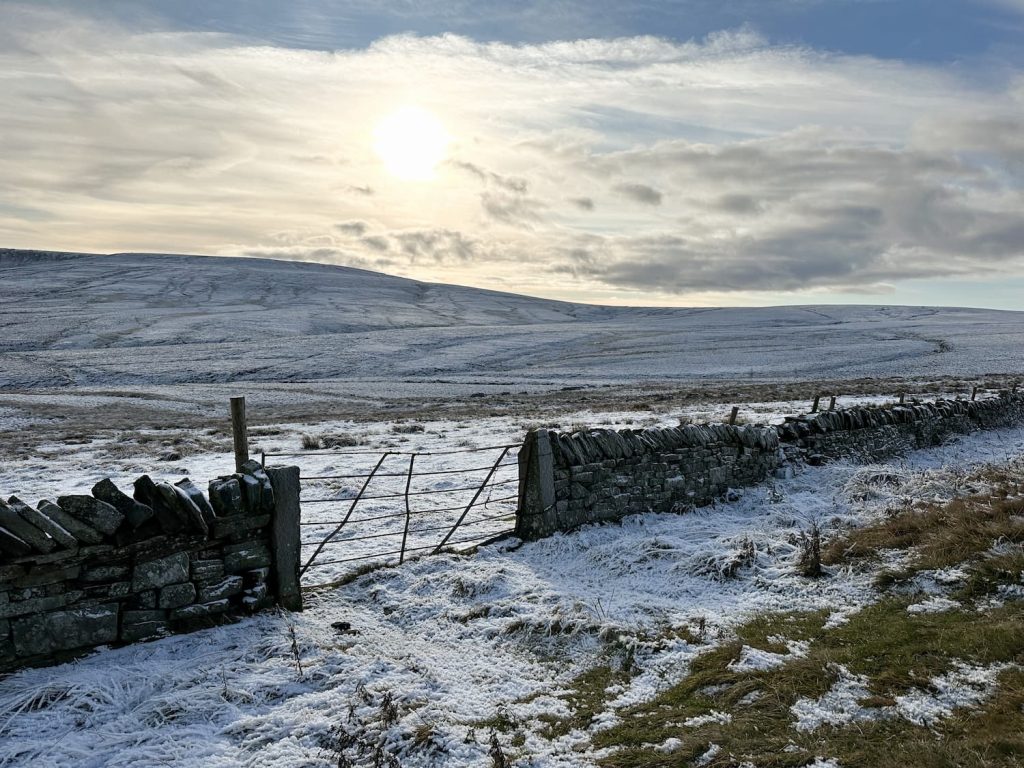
871	433
568	480
602	474
112	568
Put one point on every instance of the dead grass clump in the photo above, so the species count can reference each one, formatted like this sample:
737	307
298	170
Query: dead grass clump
341	440
330	442
407	429
940	535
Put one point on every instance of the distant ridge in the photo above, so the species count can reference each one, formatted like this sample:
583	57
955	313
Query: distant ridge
153	319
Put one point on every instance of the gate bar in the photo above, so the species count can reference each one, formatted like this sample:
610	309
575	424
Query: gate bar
471	503
347	514
408	512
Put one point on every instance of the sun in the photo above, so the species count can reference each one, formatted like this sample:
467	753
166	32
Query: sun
411	142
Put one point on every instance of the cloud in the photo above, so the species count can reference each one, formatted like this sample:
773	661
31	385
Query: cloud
641	193
720	165
514	209
356	228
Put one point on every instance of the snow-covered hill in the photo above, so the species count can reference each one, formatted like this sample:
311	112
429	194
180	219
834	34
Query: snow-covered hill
169	319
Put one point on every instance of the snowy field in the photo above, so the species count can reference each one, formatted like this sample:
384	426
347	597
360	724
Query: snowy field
131	320
111	368
465	449
422	660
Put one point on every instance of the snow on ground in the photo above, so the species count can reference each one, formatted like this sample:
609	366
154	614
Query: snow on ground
420	659
376	525
145	319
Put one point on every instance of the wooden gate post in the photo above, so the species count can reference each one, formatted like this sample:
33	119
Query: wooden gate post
239	432
733	413
814	407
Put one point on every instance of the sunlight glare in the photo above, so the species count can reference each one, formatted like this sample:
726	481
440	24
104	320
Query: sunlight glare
411	142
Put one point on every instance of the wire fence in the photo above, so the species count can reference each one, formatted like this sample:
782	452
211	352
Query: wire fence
404	503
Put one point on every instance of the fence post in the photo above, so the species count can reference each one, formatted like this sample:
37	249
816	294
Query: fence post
732	415
974	393
814	408
536	516
903	397
832	403
285	535
239	432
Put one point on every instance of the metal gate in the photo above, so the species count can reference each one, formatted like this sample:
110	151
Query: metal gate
364	508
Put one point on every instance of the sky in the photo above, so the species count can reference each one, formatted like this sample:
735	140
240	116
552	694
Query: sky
686	153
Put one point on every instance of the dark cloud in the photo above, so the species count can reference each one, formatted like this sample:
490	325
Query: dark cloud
438	245
583	203
354	228
376	243
514	209
641	193
743	205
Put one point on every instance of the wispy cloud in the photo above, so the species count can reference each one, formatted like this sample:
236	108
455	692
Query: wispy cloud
625	164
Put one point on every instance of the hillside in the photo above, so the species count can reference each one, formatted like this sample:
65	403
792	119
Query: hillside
78	319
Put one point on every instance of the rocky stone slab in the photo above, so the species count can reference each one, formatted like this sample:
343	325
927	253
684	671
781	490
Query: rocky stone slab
197	498
178	595
135	512
168	517
84	533
227	587
226	496
34	537
200	610
51	528
65	630
172	569
93	512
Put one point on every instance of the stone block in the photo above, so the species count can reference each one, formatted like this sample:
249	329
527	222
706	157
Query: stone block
170	519
65	630
161	572
114	591
177	595
144	630
255	577
85	534
100	573
39	604
39	520
246	556
93	512
226	496
196	496
209	592
134	617
200	610
135	512
239	525
207	570
47	574
14	524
